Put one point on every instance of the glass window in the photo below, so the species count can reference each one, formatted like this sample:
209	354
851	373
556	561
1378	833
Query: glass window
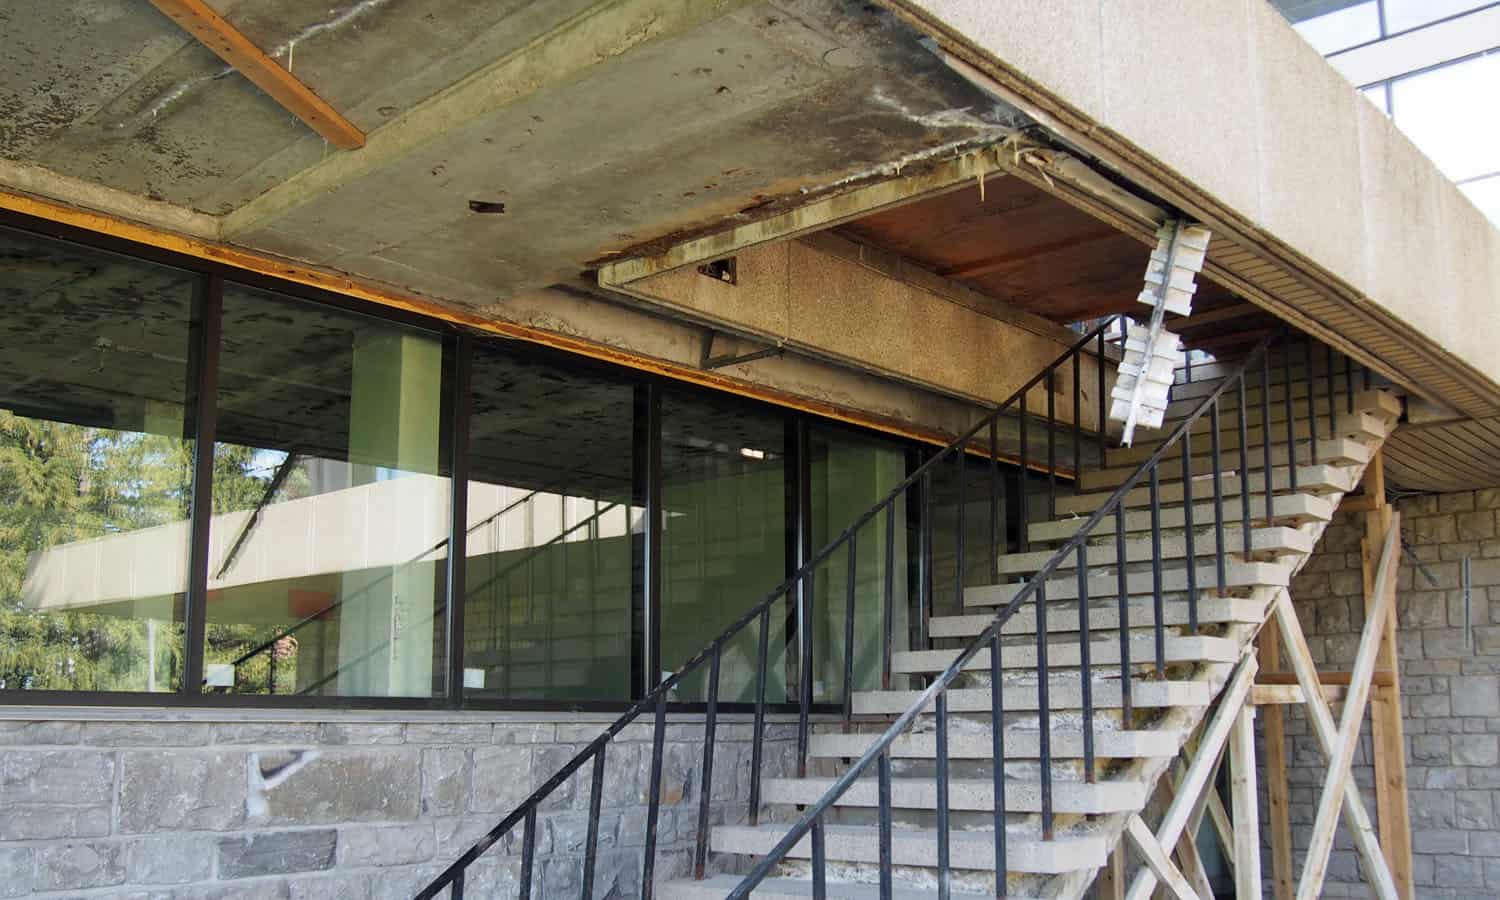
724	536
548	613
1334	25
1485	194
851	472
331	504
1401	15
95	468
1441	111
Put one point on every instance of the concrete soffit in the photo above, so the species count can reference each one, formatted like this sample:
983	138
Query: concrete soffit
1243	257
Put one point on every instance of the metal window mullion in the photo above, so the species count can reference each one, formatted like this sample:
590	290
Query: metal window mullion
205	422
458	535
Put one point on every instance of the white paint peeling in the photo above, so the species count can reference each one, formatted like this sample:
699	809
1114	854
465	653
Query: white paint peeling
262	784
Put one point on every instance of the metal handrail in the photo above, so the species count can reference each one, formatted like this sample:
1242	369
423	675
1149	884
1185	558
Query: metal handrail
656	699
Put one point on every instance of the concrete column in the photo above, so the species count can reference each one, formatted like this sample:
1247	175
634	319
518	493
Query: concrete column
386	623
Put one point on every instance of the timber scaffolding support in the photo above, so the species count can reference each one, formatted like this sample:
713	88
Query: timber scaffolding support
1072	719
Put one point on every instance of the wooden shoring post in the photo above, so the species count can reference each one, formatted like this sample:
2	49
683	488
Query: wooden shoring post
1278	788
1189	860
1156	859
1246	846
1111	882
1387	731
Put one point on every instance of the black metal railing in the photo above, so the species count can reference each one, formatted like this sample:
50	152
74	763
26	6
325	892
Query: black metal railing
1076	548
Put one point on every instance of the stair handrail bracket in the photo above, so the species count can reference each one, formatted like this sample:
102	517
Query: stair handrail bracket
657	699
1033	588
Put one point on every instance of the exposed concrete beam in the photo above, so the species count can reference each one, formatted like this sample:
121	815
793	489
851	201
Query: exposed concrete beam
600	33
98	207
217	34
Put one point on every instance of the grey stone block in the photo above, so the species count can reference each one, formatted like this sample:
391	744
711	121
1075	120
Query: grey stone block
38	821
448	733
386	845
1458	871
80	864
75	777
24	733
16	865
332	887
1440	840
445	780
502	777
145	734
169	859
538	733
259	889
1477	695
190	790
1473	810
277	853
1476	750
345	785
298	734
362	734
1456	501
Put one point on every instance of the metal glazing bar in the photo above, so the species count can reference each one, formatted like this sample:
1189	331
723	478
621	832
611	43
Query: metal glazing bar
1265	443
653	800
1099	365
1218	468
1328	380
203	405
1051	446
1044	709
1077	418
888	615
883	774
1085	670
849	597
1244	468
1157	603
528	852
945	874
1121	589
994	545
997	753
819	862
591	841
705	783
805	672
1025	536
962	528
1187	530
1349	383
758	733
1312	399
924	563
1291	416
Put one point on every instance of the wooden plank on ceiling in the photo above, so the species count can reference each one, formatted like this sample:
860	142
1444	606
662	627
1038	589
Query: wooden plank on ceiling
230	44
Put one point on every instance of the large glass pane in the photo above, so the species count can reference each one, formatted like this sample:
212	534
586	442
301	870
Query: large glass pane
1401	15
1438	110
331	504
1334	25
95	468
547	614
851	472
725	539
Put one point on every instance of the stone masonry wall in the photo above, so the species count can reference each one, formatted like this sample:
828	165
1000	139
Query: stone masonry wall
338	806
1450	692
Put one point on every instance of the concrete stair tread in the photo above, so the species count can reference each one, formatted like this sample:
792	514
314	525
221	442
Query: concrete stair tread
1288	508
1102	652
1338	452
966	794
1360	427
1320	479
1103	586
1275	539
1025	850
1104	617
1064	692
1374	401
1066	743
718	886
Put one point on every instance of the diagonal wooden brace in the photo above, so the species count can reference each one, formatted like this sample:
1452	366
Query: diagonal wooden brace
1157	861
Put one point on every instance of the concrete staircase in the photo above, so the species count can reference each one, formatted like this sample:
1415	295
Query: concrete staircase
1131	752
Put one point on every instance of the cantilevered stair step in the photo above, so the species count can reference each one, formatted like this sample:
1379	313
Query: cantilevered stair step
1103	616
1102	652
1103	585
1277	540
717	887
1065	743
1064	692
1337	452
1319	479
1288	508
1374	401
967	794
1360	427
1025	851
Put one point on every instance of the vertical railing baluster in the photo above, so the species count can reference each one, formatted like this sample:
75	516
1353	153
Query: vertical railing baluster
758	731
1086	677
997	753
1077	418
849	635
805	672
1051	445
1265	430
528	852
1187	532
456	886
819	861
591	839
924	563
1291	417
706	782
1024	507
653	799
1328	382
994	552
1122	588
883	774
1244	468
962	525
1157	603
1312	400
945	876
888	614
1044	710
1218	470
1099	365
1349	383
